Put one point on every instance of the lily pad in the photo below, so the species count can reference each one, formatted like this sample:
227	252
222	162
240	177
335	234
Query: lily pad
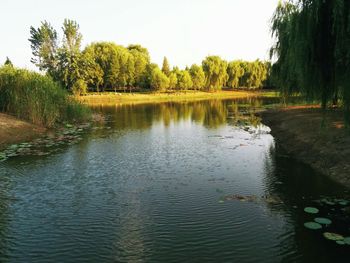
347	240
340	242
344	203
323	221
312	225
311	210
333	236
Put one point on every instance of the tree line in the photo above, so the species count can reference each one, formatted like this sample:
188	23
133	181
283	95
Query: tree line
105	66
312	50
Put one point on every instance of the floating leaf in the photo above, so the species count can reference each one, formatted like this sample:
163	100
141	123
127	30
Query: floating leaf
340	242
312	225
311	210
347	240
221	201
323	221
333	236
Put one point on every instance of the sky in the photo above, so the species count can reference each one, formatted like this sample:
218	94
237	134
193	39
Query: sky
185	31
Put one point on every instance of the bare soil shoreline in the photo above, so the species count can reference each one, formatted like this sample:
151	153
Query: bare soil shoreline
13	130
323	143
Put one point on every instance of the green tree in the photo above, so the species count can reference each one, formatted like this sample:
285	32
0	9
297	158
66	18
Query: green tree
141	61
159	81
166	67
215	72
184	80
235	71
70	66
43	42
172	81
312	50
198	76
92	73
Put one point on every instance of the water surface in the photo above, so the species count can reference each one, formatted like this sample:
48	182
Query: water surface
147	185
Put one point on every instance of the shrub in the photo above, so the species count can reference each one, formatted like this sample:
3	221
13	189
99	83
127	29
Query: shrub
79	87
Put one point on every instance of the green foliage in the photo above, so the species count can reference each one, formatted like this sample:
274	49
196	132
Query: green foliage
172	81
166	67
79	87
198	76
313	50
8	62
235	72
37	98
254	74
159	81
215	71
70	64
108	66
116	63
184	80
141	61
43	42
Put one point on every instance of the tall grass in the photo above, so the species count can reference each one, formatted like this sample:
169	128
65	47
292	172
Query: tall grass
37	98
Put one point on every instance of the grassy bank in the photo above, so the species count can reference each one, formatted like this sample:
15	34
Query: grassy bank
36	98
111	98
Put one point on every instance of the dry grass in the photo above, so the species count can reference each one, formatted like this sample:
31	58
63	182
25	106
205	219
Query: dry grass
111	98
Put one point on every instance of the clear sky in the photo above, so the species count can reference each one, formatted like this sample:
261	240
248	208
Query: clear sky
185	31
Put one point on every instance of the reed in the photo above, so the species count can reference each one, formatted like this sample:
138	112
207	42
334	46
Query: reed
37	98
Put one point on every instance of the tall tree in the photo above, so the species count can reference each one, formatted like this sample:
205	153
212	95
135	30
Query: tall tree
312	50
69	55
43	42
166	67
141	60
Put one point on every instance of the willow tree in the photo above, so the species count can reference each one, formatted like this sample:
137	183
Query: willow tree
313	50
198	76
215	72
235	71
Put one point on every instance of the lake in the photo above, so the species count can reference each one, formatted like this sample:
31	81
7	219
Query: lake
197	181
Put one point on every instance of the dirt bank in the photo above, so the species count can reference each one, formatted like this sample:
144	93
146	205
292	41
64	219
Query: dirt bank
299	131
13	130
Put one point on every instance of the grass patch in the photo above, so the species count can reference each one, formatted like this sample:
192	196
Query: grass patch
31	96
151	97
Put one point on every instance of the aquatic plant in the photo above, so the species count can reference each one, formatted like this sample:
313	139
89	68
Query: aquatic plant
312	225
311	210
323	221
333	236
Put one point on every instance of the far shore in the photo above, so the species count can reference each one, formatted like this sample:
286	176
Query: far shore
112	98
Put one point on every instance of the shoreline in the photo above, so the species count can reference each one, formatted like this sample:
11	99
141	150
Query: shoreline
112	98
14	130
321	143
